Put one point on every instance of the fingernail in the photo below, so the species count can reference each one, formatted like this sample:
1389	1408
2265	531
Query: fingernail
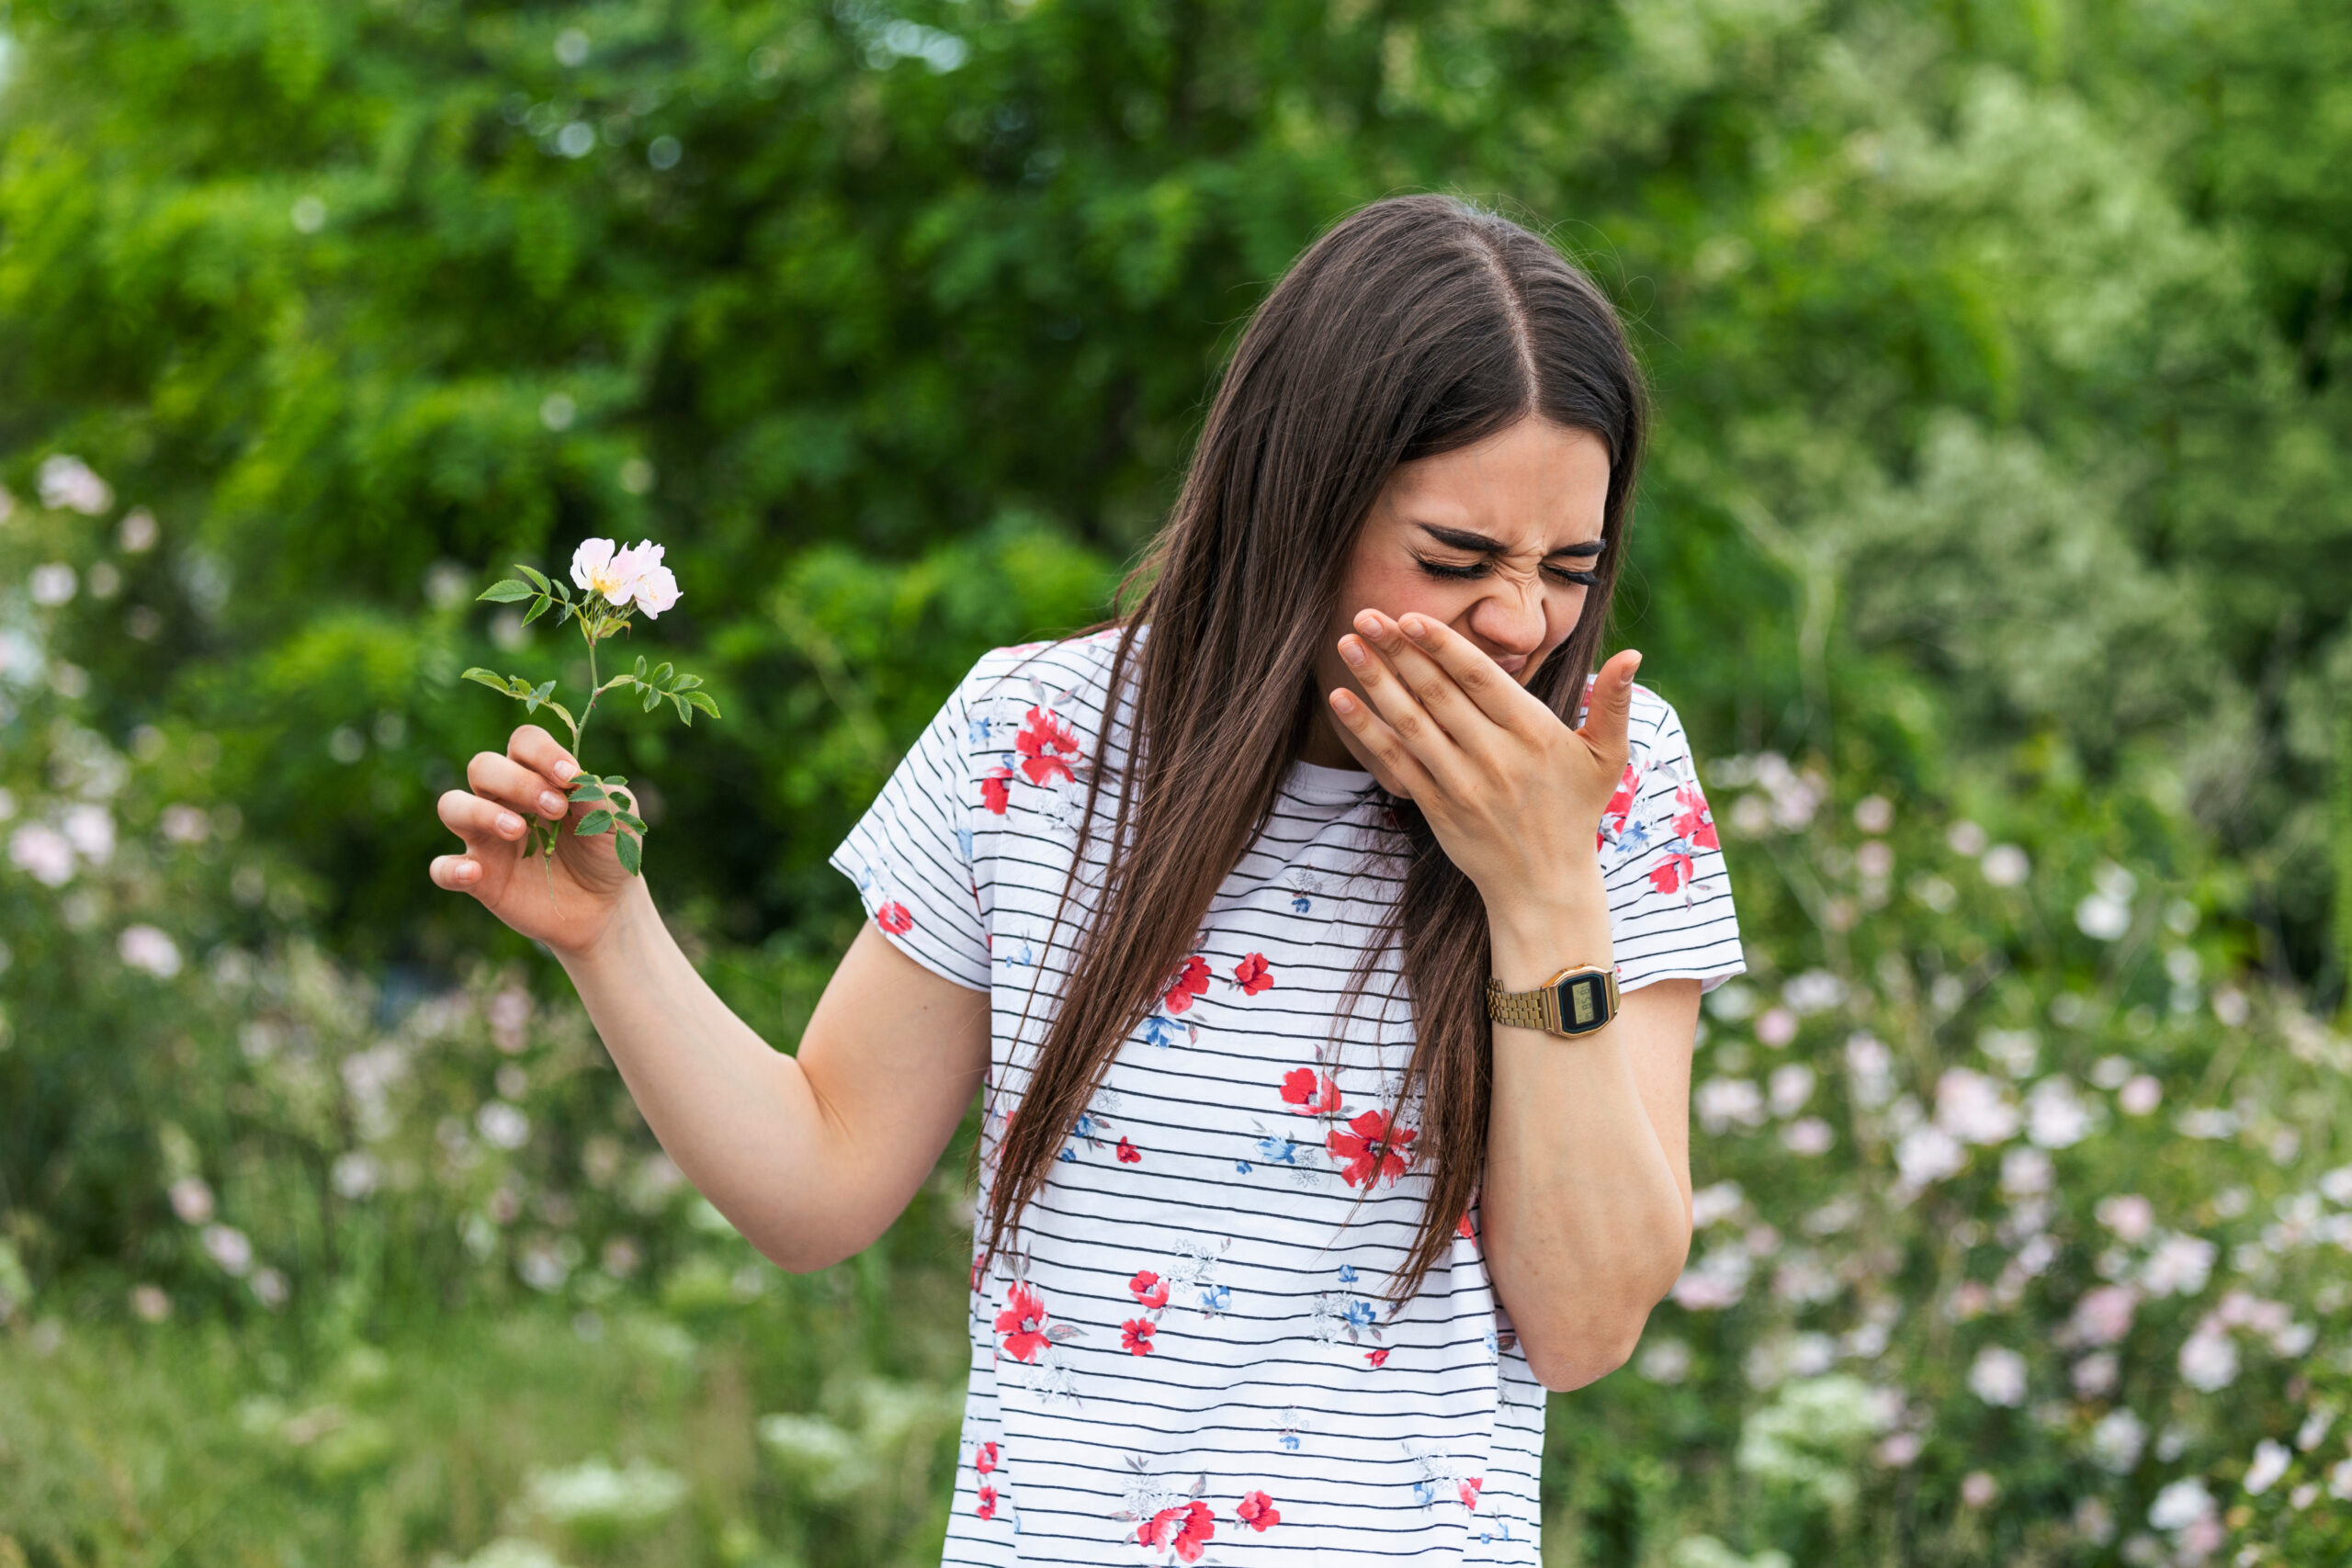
466	870
1414	628
1351	650
550	802
509	824
566	767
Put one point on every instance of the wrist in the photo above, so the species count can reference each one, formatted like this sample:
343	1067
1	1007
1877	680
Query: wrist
1537	932
621	933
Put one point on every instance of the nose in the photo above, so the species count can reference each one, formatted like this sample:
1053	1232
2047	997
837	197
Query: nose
1510	620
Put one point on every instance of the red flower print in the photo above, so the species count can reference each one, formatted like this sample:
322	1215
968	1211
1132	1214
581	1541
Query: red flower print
1128	1155
1022	1324
1309	1092
1135	1335
1672	872
1469	1490
1190	981
1253	975
1149	1288
987	1509
1187	1529
1462	1228
1693	820
1048	747
893	918
1372	1146
996	793
1377	1357
1257	1510
985	1460
1621	805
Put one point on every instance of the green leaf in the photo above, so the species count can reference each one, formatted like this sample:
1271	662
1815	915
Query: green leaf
537	610
661	673
539	581
569	722
505	592
534	695
595	822
610	779
703	701
483	677
627	819
592	790
686	683
686	714
630	850
640	667
653	695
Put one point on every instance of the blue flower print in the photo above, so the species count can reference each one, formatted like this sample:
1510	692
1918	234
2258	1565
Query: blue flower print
1360	1313
1020	960
1347	1273
1216	1299
977	730
1070	1154
1242	1166
1424	1492
1160	1032
964	841
1300	903
1278	1151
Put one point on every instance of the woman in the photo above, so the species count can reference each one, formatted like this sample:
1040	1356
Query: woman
1285	1224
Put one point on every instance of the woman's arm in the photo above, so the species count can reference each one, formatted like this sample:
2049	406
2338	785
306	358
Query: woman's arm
811	1157
1585	1193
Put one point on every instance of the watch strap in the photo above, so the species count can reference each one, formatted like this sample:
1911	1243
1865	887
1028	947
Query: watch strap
1574	1002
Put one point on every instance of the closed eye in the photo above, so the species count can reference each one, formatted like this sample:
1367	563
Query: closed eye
1467	572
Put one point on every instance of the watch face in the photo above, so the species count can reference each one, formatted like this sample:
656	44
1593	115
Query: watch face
1583	1003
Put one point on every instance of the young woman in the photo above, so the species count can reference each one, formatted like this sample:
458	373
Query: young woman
1277	921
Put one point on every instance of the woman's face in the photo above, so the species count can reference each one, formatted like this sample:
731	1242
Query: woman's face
1488	539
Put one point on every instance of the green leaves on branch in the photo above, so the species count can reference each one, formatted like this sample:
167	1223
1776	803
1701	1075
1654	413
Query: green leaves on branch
542	590
683	691
612	815
516	686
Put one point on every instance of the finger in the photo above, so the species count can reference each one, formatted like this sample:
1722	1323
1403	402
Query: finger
510	784
1400	710
478	822
459	873
1485	683
1432	684
1609	709
535	748
1382	743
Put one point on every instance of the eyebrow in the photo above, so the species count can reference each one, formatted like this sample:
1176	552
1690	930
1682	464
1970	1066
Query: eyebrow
1462	539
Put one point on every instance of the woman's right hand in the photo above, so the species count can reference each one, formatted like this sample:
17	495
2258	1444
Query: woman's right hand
569	905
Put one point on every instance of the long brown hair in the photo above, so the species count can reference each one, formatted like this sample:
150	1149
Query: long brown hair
1412	327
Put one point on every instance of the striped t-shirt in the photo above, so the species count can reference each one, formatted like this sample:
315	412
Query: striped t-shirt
1189	1357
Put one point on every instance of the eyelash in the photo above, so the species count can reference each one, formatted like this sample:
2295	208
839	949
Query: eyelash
1470	574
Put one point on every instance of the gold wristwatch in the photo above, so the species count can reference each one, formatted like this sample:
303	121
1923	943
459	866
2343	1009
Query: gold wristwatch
1573	1002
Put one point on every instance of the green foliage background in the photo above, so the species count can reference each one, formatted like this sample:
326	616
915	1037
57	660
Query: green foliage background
2006	433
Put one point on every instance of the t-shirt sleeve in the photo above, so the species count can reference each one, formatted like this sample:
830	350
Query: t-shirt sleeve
1670	913
911	854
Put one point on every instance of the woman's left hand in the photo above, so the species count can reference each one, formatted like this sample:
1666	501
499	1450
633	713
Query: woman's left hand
1513	795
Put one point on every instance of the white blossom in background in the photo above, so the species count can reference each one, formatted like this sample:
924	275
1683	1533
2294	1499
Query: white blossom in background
2116	1440
192	1200
145	948
502	1126
230	1248
1998	1376
2209	1359
1791	1086
2055	1115
1926	1156
1974	1108
1718	1201
2180	1504
1777	1027
2103	1316
2006	865
1722	1103
1809	1136
2270	1462
184	824
50	584
2179	1265
43	853
89	828
2027	1173
137	532
1716	1282
2128	1214
1965	838
1816	990
1664	1362
1872	1067
68	484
